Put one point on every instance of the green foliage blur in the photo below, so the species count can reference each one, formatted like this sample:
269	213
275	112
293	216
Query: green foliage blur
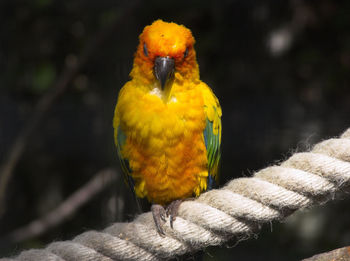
281	70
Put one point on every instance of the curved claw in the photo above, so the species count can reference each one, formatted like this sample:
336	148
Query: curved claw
159	217
172	210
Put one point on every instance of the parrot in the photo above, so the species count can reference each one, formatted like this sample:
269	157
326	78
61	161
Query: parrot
167	123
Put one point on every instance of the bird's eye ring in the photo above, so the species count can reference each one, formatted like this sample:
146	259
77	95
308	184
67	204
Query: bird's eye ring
186	53
145	51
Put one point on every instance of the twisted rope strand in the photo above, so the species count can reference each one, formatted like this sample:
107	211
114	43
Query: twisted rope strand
236	210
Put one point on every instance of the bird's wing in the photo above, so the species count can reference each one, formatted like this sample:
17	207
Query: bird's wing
120	140
212	135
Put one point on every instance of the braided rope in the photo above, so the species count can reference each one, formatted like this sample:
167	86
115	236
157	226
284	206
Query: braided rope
236	210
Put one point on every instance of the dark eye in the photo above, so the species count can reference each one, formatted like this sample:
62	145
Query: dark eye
186	53
145	51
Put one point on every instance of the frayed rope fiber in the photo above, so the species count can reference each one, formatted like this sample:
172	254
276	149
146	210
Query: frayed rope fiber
235	211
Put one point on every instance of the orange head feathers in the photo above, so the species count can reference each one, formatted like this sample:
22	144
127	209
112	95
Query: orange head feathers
165	53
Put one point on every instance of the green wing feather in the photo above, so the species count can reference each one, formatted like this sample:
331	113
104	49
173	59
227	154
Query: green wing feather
212	143
124	163
120	140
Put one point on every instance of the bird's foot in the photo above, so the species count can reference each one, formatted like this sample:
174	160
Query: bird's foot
172	210
160	214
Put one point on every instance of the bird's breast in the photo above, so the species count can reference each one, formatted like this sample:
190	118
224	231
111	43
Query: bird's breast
149	120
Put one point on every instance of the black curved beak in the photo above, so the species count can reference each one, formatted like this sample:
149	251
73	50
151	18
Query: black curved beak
164	69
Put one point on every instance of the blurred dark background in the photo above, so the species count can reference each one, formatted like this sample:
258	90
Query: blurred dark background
281	70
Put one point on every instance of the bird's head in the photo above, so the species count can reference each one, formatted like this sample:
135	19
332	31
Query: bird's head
165	53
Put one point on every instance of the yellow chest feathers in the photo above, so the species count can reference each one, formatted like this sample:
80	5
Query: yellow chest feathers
146	118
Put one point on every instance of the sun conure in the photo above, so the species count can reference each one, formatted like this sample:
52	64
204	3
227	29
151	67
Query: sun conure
167	122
